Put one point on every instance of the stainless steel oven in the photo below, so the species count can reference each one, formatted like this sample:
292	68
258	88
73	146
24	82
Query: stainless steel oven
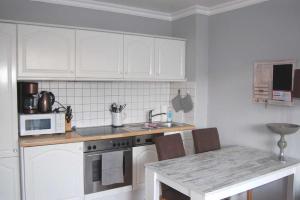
93	151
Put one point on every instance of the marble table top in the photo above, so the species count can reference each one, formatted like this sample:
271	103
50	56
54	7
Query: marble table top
210	171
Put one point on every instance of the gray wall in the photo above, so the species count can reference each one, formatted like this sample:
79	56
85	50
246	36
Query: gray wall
26	10
195	29
237	39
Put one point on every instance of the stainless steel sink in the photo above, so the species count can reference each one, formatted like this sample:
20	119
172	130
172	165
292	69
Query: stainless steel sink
150	126
167	125
137	127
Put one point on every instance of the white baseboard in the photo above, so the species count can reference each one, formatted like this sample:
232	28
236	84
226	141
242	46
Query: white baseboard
112	192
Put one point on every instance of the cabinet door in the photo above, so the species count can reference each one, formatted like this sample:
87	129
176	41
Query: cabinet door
54	172
138	57
8	93
188	142
169	59
10	178
141	156
99	55
46	52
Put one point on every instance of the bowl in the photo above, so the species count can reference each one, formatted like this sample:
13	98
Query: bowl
283	128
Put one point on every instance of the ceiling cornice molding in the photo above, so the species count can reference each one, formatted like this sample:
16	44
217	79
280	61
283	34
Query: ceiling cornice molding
190	11
110	7
233	5
96	5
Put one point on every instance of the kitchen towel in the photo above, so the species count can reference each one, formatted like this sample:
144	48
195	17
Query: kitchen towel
176	102
187	103
112	168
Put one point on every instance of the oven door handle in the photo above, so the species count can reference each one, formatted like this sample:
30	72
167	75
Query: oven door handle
91	154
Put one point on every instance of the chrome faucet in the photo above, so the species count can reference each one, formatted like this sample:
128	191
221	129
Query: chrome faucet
150	115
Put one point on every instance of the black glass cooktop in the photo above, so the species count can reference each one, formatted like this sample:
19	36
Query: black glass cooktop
99	130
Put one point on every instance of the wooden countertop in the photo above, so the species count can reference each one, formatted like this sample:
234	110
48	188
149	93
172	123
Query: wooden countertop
71	137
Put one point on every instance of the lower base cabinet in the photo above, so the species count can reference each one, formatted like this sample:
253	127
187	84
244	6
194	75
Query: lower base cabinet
9	178
141	156
148	154
53	172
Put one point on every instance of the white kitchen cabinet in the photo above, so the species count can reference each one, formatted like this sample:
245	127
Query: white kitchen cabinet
138	57
51	53
169	59
53	172
46	52
99	55
188	142
8	92
141	156
9	178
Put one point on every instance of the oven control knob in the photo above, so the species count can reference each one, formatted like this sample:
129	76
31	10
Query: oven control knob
94	147
123	143
89	147
114	144
138	140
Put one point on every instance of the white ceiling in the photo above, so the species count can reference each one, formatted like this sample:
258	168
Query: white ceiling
168	6
159	9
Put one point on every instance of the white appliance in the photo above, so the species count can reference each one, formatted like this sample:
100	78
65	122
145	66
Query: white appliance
38	124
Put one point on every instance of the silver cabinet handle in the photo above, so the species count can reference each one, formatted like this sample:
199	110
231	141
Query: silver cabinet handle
15	150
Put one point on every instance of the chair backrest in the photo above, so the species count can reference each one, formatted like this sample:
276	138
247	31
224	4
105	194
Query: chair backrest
206	140
169	146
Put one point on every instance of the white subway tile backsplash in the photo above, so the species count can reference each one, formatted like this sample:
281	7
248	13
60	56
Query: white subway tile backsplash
70	85
90	101
53	84
78	100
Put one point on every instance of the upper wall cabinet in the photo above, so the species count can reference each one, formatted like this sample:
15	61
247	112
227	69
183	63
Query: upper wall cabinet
99	55
138	57
169	59
49	53
8	91
46	52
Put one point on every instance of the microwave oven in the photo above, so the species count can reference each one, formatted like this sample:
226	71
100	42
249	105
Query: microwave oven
38	124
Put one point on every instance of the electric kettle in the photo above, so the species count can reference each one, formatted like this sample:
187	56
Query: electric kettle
46	100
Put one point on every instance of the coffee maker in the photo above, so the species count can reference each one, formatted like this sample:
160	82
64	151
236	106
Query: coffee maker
28	97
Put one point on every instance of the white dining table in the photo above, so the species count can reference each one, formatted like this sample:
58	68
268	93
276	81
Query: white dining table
219	174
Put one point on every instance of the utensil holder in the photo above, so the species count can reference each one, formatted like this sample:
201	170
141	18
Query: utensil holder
117	119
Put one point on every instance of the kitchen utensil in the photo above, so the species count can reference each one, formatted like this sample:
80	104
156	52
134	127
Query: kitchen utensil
46	101
176	102
68	118
122	107
117	115
69	114
187	103
113	107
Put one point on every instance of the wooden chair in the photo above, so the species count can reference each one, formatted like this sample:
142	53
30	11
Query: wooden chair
168	147
208	140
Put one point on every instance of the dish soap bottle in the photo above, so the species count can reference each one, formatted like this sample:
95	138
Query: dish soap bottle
169	116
